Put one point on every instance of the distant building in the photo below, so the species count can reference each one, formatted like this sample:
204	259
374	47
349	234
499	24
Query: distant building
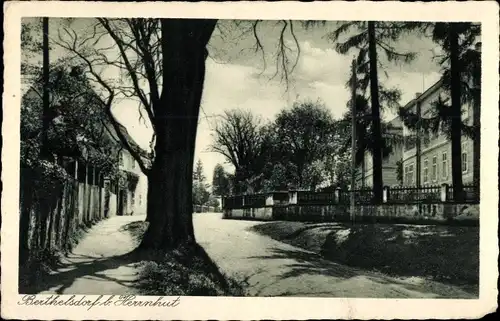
435	150
435	153
364	176
131	201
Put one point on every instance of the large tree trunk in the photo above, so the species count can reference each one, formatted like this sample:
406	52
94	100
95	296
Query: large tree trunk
456	115
377	149
170	182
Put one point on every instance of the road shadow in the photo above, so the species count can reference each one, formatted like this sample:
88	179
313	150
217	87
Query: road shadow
306	263
302	264
76	266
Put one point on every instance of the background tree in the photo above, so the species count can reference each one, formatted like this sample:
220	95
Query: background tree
76	120
461	69
201	194
220	182
214	202
239	138
369	37
304	134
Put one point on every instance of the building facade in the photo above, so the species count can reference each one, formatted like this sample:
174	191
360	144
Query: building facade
133	199
431	165
364	172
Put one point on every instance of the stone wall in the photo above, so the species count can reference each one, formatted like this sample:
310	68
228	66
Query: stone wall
407	213
265	213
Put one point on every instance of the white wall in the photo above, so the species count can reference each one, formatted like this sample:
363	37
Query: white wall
140	193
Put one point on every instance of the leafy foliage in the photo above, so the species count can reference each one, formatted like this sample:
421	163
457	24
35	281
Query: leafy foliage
306	134
241	138
386	34
77	121
301	148
221	185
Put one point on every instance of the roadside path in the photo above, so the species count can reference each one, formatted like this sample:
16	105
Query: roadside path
96	265
273	268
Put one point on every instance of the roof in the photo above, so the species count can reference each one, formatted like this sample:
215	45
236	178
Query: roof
111	130
432	89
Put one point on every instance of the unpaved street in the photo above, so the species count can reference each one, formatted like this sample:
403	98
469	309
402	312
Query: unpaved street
273	268
269	267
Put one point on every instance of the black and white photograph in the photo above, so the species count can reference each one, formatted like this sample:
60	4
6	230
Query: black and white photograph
162	158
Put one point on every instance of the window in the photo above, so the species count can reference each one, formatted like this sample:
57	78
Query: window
426	171
434	168
444	162
465	162
409	174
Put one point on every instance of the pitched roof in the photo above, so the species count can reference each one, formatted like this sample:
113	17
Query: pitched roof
111	130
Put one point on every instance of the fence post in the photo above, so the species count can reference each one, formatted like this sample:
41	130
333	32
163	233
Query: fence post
385	194
338	190
444	192
292	197
270	199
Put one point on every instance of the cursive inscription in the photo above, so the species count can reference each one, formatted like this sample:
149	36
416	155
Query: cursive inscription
101	301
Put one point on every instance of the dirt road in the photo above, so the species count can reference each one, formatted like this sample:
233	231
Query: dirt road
273	268
269	267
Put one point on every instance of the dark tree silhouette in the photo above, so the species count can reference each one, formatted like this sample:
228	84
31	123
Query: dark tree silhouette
372	36
461	67
238	137
220	181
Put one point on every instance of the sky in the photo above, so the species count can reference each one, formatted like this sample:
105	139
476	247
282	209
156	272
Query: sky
235	78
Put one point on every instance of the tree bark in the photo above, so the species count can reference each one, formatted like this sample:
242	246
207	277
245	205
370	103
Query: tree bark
170	180
376	128
456	115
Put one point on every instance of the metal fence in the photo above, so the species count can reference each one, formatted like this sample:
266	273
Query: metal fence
408	195
393	195
315	198
470	194
254	201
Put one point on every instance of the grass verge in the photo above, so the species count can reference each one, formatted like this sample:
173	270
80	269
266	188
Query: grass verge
186	271
448	254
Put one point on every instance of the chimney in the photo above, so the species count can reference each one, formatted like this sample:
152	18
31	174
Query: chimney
417	95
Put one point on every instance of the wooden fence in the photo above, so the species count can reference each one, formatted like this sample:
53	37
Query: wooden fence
51	212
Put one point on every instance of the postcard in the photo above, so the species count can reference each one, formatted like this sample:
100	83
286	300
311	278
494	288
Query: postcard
249	160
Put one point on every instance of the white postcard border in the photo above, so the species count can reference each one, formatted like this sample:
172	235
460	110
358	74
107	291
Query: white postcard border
260	308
